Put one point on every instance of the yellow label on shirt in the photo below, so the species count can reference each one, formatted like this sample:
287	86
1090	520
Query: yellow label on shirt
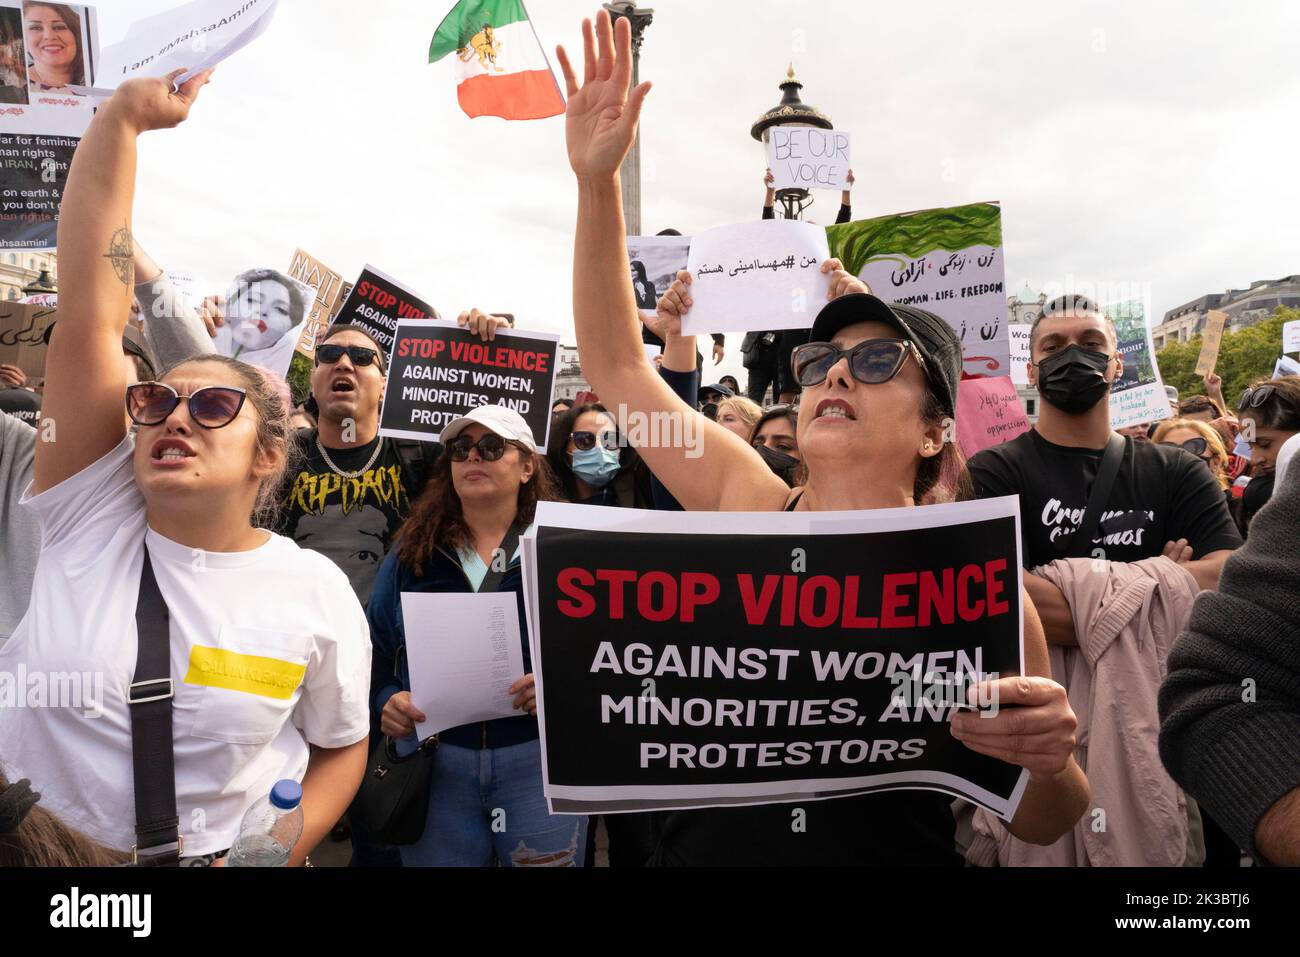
268	677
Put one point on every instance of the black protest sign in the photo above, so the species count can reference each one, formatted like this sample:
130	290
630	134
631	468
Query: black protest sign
439	372
688	661
377	303
35	176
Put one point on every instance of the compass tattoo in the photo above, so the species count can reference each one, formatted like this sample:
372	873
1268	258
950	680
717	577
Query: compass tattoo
121	253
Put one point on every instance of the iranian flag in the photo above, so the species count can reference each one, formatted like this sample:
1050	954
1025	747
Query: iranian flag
500	67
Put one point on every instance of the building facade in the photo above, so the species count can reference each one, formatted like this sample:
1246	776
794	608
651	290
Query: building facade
569	380
1244	307
19	268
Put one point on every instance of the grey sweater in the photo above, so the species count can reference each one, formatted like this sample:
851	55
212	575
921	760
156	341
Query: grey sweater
1230	706
174	332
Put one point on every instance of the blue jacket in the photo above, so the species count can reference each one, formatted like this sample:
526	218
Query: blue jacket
388	635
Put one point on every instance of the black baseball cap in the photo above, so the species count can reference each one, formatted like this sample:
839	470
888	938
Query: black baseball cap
719	389
933	337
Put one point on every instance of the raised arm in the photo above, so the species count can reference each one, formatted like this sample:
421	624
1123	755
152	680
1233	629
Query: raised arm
85	376
600	126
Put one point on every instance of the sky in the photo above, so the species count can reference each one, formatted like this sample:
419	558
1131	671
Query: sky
1139	150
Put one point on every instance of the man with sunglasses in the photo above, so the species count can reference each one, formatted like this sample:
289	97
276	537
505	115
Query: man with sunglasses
1162	497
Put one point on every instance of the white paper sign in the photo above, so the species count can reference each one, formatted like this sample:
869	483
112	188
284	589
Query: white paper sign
1138	396
192	37
1291	336
806	158
1018	337
1286	366
756	276
464	652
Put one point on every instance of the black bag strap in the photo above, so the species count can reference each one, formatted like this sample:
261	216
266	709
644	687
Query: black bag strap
492	581
1080	544
157	825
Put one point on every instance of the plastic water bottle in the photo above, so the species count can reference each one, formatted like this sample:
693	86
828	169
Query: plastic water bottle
270	829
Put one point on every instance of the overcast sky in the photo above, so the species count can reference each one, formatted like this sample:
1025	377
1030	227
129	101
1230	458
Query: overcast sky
1149	146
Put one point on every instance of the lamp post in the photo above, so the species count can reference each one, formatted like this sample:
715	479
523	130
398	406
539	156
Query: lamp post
639	18
791	111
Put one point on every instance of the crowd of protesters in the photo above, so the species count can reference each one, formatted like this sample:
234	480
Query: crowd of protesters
1161	645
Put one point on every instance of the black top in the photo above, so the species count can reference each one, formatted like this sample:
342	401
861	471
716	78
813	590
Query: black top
1161	494
350	521
22	404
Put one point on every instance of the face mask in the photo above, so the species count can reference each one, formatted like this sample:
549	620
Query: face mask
597	467
783	465
1074	379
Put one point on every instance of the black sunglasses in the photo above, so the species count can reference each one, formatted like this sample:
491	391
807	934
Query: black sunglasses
1197	446
213	407
490	447
361	356
871	362
1254	398
586	441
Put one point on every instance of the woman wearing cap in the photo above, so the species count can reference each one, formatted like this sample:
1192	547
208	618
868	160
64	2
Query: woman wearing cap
879	384
481	497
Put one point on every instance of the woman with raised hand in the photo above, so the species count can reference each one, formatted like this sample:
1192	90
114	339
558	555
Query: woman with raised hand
269	649
879	383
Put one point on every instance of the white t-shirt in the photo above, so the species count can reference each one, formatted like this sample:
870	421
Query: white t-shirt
263	643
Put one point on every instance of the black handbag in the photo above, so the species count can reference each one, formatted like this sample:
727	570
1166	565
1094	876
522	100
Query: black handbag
393	801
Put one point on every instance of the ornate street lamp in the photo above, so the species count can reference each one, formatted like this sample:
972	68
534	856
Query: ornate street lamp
791	111
639	18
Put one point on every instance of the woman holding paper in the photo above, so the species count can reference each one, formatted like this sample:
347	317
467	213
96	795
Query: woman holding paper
879	392
486	798
266	644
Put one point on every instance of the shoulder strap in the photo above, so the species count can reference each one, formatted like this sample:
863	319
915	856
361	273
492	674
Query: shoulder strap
492	581
1080	544
418	459
157	826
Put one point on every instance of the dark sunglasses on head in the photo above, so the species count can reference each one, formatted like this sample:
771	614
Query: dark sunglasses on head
213	407
327	355
586	441
1197	446
871	362
490	447
1254	398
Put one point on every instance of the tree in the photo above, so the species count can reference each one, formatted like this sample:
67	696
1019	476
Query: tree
300	378
1244	357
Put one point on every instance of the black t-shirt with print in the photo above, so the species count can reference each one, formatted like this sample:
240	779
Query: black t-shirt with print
351	521
1161	494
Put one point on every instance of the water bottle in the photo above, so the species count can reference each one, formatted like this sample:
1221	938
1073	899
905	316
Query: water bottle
270	829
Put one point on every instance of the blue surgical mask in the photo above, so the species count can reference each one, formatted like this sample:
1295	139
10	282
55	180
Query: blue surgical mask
597	467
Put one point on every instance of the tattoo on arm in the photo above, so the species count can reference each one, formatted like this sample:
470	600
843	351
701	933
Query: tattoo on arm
121	253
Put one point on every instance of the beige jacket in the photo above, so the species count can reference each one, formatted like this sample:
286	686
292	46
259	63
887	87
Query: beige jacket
1126	617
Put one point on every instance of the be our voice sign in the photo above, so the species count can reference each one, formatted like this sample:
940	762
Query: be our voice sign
806	158
439	372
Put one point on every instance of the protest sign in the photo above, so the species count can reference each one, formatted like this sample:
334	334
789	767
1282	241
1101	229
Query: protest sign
265	311
757	276
1211	340
464	653
35	174
43	84
377	302
685	660
1291	336
192	37
23	327
655	262
805	158
439	372
948	261
988	413
328	287
1286	366
1137	396
1019	335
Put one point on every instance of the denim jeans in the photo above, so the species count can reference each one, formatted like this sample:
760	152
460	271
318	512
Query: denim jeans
488	804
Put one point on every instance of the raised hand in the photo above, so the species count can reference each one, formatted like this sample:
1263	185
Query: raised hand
843	283
673	305
151	103
601	121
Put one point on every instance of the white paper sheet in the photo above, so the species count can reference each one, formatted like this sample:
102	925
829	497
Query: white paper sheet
805	158
757	276
464	651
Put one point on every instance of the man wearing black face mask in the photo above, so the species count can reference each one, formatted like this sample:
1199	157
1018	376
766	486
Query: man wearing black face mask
1162	500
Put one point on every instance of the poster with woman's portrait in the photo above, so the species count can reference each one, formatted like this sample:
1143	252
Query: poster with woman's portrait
654	262
48	53
58	45
13	57
264	313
